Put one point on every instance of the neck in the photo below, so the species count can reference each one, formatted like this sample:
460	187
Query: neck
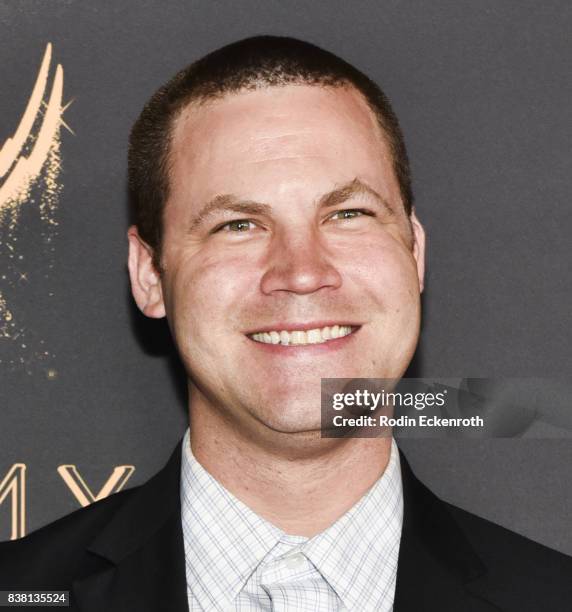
299	482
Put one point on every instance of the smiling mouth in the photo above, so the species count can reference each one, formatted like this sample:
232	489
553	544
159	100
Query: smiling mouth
318	335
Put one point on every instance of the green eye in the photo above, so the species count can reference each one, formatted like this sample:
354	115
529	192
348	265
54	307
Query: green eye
240	225
347	214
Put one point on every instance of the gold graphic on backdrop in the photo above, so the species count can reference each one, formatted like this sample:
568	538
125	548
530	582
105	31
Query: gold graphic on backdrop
83	493
13	486
30	166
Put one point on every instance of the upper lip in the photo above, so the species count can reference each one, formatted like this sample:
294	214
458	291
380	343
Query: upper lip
294	326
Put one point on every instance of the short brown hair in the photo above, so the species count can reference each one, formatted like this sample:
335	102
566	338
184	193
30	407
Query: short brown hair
252	63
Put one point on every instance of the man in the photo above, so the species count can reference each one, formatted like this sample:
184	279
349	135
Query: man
275	230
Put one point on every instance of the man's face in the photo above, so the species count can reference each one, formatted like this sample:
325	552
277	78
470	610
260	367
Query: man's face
285	216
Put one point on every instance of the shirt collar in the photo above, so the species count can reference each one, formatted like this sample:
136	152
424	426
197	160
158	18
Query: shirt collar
225	540
358	554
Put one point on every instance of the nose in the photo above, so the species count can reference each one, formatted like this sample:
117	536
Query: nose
298	262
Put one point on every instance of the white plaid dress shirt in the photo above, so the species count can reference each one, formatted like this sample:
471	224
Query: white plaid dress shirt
237	561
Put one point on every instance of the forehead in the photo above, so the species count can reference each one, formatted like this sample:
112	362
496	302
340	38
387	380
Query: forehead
278	132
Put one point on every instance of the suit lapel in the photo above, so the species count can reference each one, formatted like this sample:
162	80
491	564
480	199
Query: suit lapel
436	562
138	560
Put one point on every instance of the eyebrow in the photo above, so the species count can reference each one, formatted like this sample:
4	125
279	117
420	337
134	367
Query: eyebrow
231	203
227	203
347	191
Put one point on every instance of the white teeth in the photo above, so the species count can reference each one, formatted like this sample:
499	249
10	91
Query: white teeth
299	337
314	336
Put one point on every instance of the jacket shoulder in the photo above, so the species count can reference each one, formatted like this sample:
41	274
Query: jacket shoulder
498	543
52	554
516	564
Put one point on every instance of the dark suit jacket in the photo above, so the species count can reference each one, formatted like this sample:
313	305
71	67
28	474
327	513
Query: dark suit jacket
125	553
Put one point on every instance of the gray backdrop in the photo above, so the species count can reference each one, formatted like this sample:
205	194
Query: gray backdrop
483	91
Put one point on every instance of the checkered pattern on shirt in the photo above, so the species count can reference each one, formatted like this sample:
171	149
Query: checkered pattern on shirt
237	561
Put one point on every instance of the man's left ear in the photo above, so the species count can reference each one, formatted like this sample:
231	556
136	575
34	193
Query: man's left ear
145	279
418	248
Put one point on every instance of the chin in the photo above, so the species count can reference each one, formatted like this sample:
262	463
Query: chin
295	428
292	419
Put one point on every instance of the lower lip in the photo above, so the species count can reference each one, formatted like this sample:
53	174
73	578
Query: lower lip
307	349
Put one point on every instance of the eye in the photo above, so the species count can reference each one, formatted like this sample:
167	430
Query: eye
350	213
239	225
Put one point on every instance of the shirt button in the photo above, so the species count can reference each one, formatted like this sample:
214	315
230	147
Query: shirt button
294	561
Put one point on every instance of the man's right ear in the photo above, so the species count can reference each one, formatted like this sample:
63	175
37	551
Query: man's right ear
145	279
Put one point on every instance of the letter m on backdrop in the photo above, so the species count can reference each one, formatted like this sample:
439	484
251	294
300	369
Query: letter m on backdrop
14	485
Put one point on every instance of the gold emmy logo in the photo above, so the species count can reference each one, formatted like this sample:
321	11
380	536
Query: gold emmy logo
30	165
14	485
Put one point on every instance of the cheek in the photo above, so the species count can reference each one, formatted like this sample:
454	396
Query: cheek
206	292
385	269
